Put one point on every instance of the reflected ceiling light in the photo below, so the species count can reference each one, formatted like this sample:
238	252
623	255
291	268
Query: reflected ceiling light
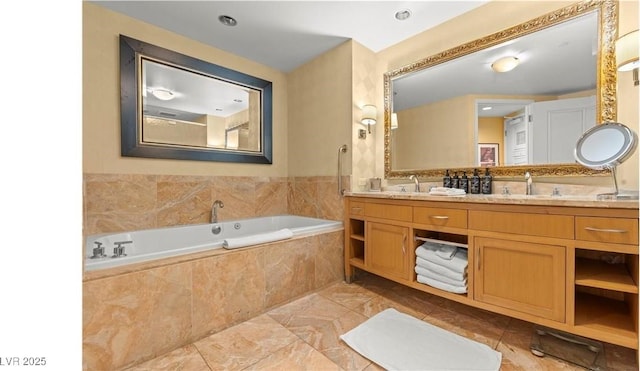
369	113
627	54
403	14
505	64
163	94
486	108
227	20
394	121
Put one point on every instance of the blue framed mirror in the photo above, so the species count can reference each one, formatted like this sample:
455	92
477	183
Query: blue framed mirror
177	107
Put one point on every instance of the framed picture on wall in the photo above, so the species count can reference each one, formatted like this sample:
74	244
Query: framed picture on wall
488	154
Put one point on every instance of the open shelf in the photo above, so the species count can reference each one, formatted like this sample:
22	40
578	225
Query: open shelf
594	273
606	319
357	262
358	237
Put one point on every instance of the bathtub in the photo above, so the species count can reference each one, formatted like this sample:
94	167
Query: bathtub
154	244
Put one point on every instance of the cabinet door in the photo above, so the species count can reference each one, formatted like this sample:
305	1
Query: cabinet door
526	277
388	249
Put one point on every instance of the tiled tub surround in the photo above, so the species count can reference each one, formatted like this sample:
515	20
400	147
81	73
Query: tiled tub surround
124	202
130	316
134	313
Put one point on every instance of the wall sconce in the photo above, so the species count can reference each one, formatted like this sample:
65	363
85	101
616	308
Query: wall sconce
627	54
394	121
369	114
505	64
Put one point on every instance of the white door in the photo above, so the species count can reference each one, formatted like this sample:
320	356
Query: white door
556	126
515	140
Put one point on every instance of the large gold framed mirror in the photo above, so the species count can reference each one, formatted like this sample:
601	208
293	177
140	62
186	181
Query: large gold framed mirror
451	107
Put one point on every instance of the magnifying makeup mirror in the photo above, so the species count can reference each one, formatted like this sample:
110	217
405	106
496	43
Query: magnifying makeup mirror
606	146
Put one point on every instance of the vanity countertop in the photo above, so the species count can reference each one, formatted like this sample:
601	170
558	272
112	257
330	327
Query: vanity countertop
514	199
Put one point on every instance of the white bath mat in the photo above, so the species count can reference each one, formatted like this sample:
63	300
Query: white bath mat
397	341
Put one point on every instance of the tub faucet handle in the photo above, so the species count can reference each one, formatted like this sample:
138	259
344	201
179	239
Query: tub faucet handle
98	251
118	251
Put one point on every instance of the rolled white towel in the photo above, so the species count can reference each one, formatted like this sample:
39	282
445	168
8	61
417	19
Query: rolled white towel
234	243
457	264
438	269
444	279
441	285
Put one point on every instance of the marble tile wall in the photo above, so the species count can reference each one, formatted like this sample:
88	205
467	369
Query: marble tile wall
137	316
141	314
121	202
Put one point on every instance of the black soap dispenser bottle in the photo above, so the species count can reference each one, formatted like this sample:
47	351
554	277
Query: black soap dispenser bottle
446	181
486	182
474	183
464	182
455	181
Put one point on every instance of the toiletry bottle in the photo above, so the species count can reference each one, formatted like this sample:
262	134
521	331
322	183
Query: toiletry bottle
464	182
455	181
446	181
486	182
474	183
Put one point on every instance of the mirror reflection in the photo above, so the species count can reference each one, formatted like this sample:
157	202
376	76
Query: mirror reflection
525	96
184	108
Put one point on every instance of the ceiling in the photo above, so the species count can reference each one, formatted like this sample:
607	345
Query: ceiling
286	34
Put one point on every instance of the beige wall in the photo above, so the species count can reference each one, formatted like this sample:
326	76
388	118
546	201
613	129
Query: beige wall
101	96
628	111
316	107
319	102
362	152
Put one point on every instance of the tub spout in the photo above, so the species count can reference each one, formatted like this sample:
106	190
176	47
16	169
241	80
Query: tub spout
214	210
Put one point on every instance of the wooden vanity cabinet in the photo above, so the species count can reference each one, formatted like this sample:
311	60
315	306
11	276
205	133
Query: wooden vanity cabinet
521	276
606	274
388	250
378	240
521	260
571	268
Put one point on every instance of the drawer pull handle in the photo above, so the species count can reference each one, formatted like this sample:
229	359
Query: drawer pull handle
592	229
479	256
356	208
438	216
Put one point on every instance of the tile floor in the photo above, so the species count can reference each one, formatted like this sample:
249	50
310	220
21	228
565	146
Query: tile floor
303	334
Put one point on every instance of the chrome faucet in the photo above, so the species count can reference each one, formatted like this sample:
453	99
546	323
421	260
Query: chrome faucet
415	180
529	186
214	210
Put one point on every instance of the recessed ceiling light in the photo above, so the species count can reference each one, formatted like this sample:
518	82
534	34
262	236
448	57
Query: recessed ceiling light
227	20
486	108
505	64
403	14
